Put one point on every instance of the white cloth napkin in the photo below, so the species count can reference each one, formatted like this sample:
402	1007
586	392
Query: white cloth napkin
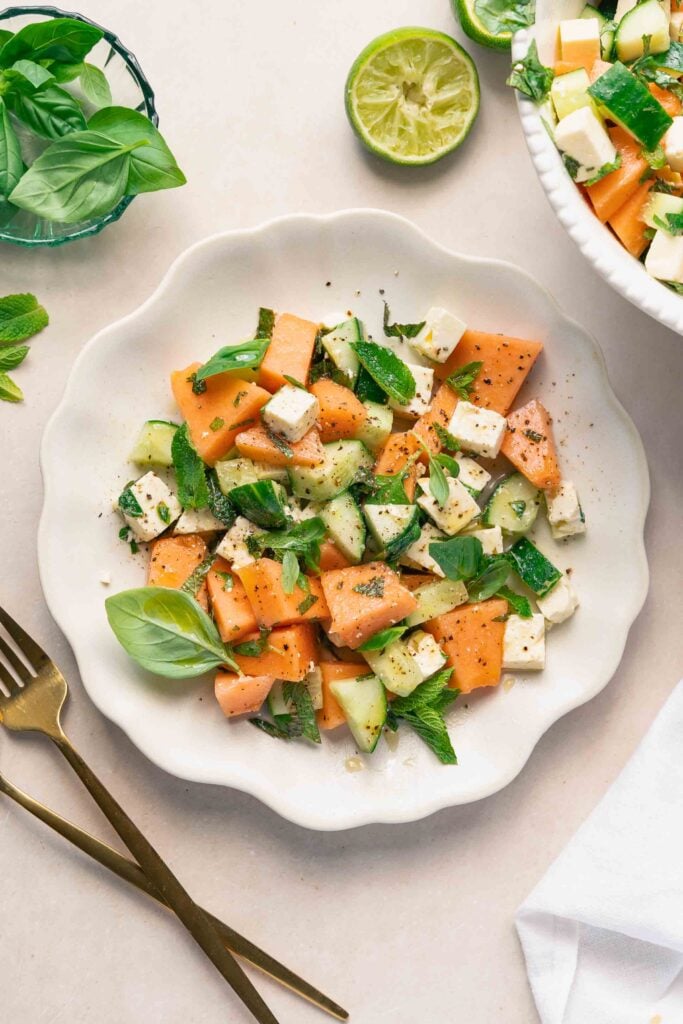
603	931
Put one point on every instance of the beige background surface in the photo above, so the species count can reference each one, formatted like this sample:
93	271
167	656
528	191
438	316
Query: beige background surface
409	924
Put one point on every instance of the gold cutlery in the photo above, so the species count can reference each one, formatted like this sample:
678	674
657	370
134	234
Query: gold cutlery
131	872
37	691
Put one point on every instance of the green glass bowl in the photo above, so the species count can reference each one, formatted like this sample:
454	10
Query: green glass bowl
129	88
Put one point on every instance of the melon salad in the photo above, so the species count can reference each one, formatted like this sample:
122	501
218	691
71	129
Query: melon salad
339	528
612	103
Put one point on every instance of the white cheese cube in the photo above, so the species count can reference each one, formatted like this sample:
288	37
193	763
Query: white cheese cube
233	547
564	511
198	521
582	136
479	430
417	555
491	539
664	258
426	653
472	475
524	642
291	412
419	403
676	26
159	506
672	143
297	513
459	510
314	684
439	336
559	603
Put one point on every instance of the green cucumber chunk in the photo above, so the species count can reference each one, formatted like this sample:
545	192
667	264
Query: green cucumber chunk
235	472
607	30
436	598
377	426
364	704
342	462
338	343
533	568
513	505
396	667
153	446
393	527
263	503
570	92
624	99
646	25
345	526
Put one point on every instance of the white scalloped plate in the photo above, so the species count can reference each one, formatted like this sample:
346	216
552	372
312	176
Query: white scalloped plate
622	271
212	293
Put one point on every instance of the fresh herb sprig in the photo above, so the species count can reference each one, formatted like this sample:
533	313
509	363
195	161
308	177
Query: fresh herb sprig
530	77
21	317
462	380
463	558
424	711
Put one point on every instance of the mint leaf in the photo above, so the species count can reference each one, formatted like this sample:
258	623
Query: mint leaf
21	316
266	322
447	440
505	16
607	169
519	604
304	711
462	380
193	491
11	357
129	504
530	77
193	583
372	588
9	391
290	571
382	639
400	330
387	370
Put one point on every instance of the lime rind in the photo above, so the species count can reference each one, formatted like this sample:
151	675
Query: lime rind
475	28
412	96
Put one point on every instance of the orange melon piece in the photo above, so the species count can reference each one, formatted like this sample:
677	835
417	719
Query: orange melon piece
262	581
173	559
412	580
257	444
506	365
290	352
563	67
288	656
599	68
331	715
331	557
230	605
440	411
535	459
240	695
393	457
628	224
228	401
612	191
341	414
671	103
473	641
356	616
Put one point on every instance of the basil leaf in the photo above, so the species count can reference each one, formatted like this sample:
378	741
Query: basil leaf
5	36
462	380
382	639
21	317
234	357
449	463
165	631
9	391
290	571
386	369
95	86
66	71
152	166
400	330
519	604
27	75
460	558
530	77
129	504
11	357
503	16
219	504
49	111
77	178
438	484
304	712
62	39
490	579
193	490
11	162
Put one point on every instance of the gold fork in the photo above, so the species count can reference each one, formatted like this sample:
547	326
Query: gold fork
131	872
37	691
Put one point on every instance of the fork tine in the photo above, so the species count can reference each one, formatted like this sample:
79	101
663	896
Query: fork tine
15	662
35	655
8	679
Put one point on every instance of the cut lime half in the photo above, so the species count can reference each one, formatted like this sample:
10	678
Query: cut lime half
493	23
412	95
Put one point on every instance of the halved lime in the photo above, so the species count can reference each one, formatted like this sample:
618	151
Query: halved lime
493	22
412	95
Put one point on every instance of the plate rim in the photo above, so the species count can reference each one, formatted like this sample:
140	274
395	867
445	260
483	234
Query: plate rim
277	800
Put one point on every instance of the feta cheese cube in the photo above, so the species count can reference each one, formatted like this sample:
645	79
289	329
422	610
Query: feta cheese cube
472	475
291	412
419	403
580	40
233	547
198	521
297	513
491	539
664	258
158	504
417	555
459	510
565	514
524	642
426	653
582	136
439	336
314	684
479	430
672	143
559	603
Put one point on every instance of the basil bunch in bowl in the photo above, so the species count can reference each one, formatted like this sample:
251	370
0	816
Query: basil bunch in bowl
78	128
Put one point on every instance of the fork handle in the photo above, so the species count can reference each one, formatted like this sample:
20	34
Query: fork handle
168	886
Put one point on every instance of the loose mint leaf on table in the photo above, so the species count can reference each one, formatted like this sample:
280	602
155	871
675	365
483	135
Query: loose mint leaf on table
61	39
21	316
152	165
79	177
49	111
388	371
95	86
11	162
530	77
246	355
400	330
9	391
193	491
11	357
166	631
500	16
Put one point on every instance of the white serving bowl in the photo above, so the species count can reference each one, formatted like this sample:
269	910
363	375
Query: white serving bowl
626	274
